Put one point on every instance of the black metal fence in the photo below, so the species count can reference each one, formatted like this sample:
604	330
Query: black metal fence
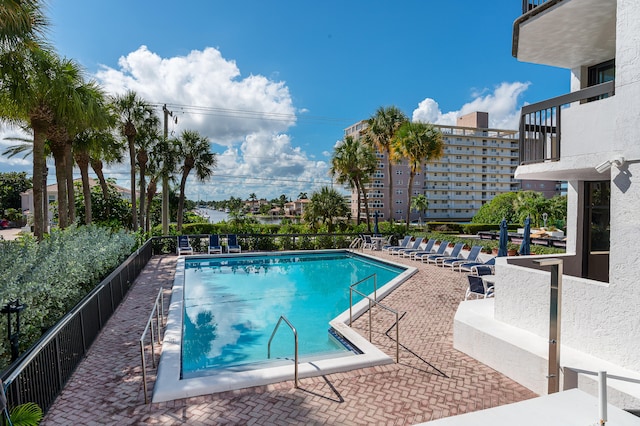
40	374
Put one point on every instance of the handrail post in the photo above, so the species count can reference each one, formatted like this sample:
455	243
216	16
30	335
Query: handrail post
295	337
144	372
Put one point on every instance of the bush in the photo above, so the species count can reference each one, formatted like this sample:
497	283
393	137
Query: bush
452	227
52	276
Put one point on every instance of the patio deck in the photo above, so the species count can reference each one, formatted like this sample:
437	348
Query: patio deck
432	380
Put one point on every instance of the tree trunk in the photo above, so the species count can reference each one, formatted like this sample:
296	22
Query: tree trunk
96	165
390	170
132	157
183	183
142	158
359	202
57	149
151	192
38	169
165	204
68	158
82	159
411	175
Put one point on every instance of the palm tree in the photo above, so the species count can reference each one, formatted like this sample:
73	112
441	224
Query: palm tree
302	196
89	146
197	155
353	162
163	162
253	198
382	128
421	204
417	142
132	112
21	24
148	136
36	93
326	205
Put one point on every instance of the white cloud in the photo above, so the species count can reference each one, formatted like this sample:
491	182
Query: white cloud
501	104
249	116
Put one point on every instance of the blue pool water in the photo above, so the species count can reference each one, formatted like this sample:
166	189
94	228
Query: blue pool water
232	304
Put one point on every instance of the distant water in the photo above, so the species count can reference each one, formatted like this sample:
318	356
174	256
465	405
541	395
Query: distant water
216	216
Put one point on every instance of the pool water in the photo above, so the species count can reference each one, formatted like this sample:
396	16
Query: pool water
232	304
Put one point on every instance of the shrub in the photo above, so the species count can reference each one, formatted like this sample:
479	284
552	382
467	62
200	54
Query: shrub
52	276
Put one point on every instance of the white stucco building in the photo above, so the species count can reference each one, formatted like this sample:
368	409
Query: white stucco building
591	139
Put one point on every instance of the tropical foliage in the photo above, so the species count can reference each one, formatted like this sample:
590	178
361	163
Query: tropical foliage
516	206
325	207
416	142
353	162
52	276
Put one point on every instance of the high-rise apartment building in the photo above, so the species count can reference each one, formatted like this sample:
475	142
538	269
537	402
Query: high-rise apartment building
478	164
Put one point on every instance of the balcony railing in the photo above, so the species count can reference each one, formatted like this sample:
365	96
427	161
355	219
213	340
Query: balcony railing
528	5
540	124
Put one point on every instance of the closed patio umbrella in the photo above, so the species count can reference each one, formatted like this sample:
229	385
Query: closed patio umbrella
504	238
375	224
525	248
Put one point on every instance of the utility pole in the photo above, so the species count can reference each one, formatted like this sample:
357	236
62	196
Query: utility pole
165	177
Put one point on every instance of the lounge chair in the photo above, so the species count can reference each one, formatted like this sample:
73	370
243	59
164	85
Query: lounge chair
471	257
478	288
214	244
428	247
414	246
403	244
183	246
475	267
232	244
356	242
453	255
440	252
367	242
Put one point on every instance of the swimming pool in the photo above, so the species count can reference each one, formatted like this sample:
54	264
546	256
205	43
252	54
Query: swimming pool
227	312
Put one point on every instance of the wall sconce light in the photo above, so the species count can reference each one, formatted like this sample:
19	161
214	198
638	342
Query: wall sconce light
603	167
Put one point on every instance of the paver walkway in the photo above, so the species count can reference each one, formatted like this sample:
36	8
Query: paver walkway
433	380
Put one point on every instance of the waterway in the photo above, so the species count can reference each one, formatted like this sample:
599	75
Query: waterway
216	216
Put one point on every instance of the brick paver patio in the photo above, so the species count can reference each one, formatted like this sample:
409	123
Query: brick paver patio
432	380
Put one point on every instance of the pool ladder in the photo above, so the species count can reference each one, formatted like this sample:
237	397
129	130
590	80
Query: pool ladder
374	301
295	336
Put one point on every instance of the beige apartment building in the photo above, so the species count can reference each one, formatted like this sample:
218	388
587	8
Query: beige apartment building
478	164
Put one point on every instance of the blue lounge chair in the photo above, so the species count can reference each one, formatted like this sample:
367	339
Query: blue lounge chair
232	244
414	246
214	244
478	288
475	267
183	246
429	246
367	242
440	252
471	257
402	244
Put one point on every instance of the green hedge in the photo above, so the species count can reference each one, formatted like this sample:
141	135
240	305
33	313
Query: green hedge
52	276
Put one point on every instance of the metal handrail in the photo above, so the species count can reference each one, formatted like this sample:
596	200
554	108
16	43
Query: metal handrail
375	292
351	290
295	336
158	310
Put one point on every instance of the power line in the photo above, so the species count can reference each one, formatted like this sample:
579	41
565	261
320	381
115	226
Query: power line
248	114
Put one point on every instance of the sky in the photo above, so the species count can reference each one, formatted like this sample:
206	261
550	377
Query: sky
273	84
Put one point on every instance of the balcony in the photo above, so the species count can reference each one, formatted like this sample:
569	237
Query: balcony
565	34
540	123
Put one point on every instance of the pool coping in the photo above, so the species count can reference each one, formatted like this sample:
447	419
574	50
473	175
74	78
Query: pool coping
169	386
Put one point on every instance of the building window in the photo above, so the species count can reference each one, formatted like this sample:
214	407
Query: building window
398	172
